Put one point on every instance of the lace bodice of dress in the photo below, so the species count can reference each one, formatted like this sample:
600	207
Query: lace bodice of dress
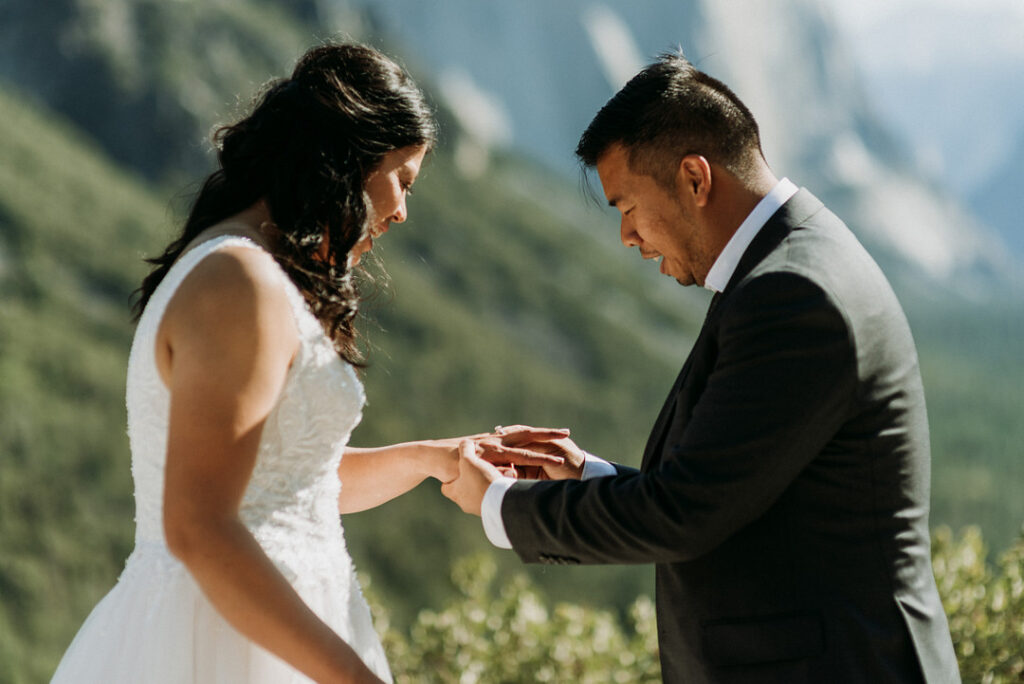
292	495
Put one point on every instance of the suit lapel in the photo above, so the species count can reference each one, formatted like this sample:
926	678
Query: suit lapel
657	436
668	409
794	212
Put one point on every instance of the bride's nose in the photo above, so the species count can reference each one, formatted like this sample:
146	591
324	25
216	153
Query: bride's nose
401	213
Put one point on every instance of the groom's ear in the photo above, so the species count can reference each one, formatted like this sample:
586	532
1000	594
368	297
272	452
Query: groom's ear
693	180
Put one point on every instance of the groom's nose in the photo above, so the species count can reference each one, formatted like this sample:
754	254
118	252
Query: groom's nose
628	236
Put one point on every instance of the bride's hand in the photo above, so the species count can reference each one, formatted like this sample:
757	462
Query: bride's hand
442	456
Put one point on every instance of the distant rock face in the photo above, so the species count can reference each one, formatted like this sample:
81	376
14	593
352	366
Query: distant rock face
536	58
999	198
530	74
785	58
549	66
949	76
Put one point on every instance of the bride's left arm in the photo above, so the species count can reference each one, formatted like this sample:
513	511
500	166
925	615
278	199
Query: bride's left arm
370	477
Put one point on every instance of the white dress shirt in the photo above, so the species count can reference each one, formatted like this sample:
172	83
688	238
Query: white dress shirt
725	265
716	280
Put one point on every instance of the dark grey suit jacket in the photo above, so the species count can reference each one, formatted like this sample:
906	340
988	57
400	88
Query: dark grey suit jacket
784	489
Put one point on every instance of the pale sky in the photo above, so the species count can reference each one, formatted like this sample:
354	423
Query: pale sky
973	29
948	74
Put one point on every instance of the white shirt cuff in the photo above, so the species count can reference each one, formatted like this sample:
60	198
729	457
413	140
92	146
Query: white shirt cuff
490	512
596	467
490	507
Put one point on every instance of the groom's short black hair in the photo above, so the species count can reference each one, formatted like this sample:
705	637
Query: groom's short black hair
667	111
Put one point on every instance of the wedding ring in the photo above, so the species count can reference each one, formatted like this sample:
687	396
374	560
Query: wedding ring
499	429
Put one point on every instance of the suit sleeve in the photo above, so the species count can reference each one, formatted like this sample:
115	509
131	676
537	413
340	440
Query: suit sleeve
781	385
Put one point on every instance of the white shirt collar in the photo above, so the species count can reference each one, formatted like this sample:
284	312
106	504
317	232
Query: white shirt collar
725	265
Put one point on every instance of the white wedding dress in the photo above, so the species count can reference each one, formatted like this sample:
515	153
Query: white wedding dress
155	625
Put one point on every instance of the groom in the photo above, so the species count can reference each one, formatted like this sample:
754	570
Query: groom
783	493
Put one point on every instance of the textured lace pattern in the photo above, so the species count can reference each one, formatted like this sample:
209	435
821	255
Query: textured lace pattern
155	625
293	492
290	504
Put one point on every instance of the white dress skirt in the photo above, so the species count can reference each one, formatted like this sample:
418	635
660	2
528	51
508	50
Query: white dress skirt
155	625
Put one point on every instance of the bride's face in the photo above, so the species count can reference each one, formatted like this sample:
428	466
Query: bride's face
387	187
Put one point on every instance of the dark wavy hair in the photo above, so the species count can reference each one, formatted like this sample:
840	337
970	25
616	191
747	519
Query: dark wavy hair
306	149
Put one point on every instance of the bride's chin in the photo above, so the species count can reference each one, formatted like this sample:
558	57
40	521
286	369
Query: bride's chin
355	257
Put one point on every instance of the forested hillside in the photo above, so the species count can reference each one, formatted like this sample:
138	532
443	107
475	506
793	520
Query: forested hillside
509	300
72	227
490	317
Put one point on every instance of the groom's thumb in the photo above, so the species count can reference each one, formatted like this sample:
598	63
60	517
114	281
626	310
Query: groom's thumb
467	449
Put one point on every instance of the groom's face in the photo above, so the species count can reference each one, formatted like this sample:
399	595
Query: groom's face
653	218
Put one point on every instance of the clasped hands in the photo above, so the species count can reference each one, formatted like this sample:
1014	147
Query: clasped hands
518	451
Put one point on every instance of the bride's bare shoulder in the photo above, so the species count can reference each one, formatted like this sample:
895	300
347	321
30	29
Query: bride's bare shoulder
238	290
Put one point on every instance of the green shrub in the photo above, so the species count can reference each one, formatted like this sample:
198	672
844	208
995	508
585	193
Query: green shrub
985	604
508	633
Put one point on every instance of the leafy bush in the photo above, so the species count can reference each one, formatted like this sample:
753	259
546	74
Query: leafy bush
514	637
509	634
513	303
985	604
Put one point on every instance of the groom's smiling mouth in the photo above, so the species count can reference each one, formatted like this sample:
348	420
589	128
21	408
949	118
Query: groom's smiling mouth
657	257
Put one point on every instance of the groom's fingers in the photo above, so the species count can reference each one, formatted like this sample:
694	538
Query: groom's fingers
503	454
478	436
518	435
475	476
456	489
467	450
517	430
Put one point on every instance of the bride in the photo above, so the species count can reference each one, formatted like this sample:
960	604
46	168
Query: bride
242	395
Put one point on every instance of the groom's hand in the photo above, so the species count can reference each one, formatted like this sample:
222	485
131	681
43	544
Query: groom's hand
443	455
520	444
475	476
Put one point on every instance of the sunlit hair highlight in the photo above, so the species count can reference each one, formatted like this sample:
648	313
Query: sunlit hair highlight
668	111
306	149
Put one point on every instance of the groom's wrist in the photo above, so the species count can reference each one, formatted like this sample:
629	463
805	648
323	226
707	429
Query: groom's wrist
595	466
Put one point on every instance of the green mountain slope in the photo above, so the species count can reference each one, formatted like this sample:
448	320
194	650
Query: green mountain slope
510	301
491	319
71	229
974	384
124	70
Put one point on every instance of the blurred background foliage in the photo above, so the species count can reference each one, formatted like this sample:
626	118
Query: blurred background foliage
511	632
507	299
